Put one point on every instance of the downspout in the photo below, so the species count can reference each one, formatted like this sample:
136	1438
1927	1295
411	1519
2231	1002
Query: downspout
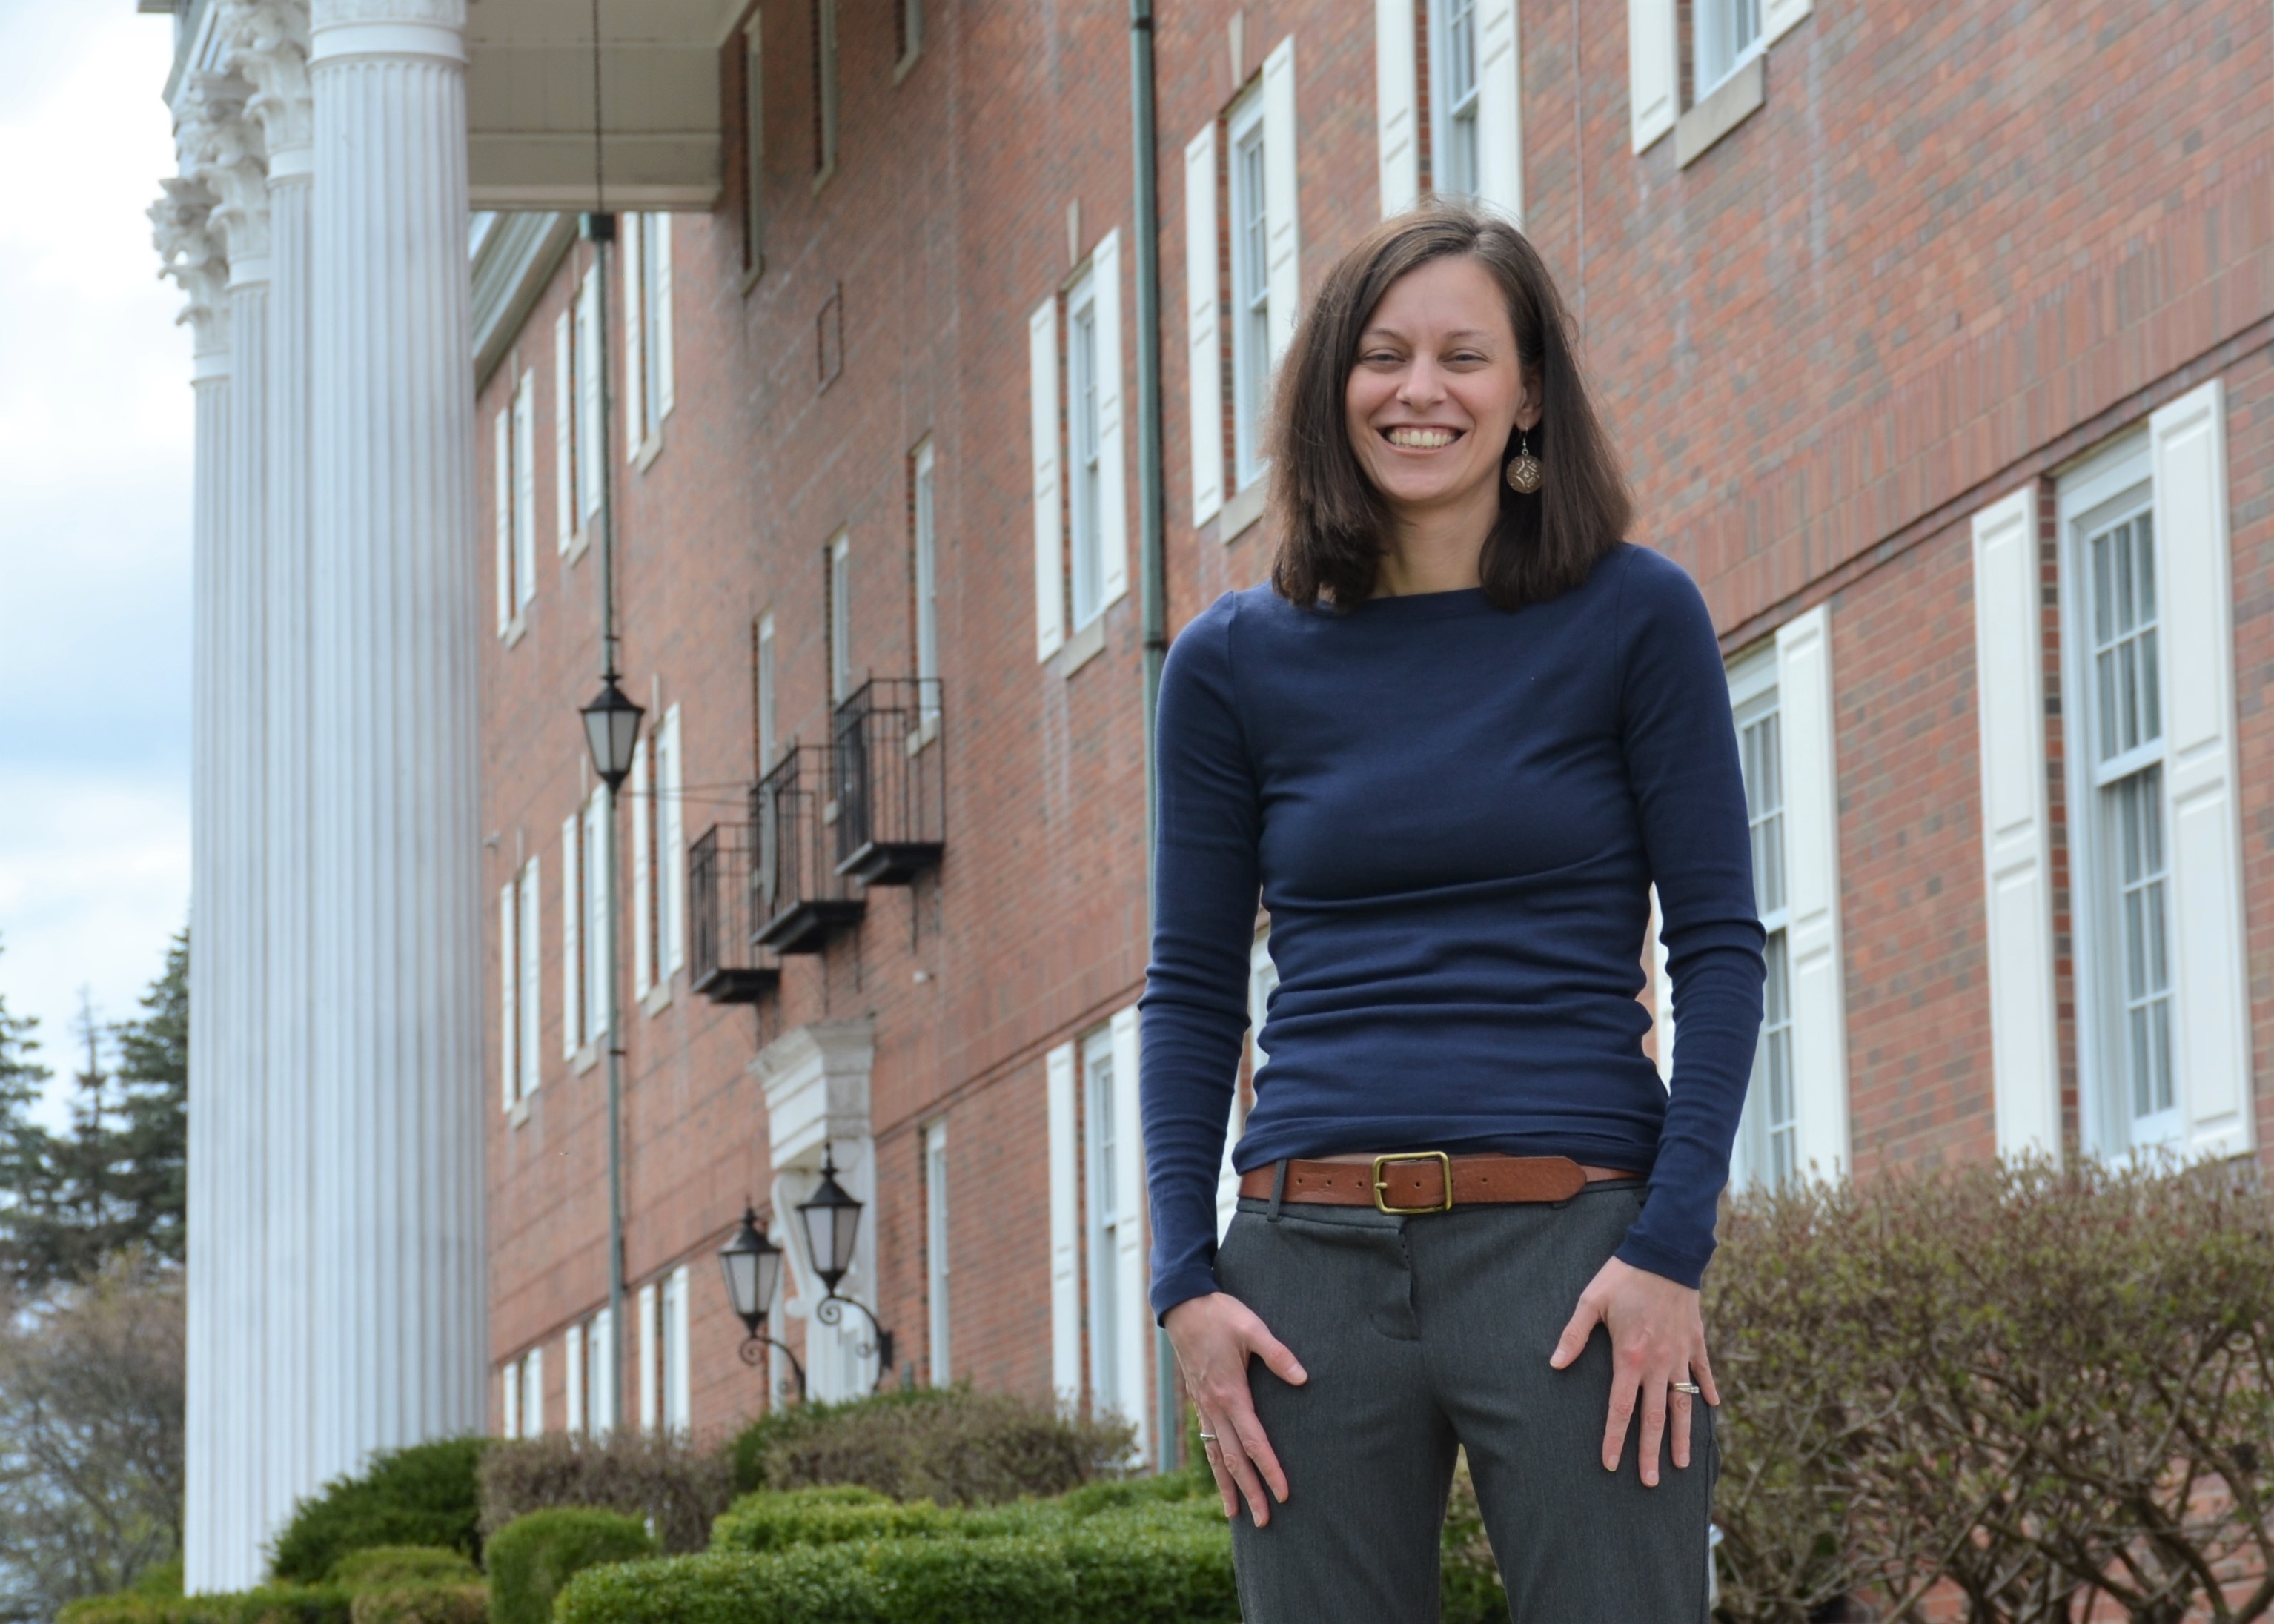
1153	563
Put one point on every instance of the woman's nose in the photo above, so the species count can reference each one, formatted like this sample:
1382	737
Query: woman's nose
1421	384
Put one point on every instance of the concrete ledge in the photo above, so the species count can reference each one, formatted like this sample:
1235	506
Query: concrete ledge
1243	510
1735	100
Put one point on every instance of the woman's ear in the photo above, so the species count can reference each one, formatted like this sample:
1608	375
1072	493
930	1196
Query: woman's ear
1527	405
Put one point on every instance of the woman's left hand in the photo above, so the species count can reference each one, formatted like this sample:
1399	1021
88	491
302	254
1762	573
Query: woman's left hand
1657	1339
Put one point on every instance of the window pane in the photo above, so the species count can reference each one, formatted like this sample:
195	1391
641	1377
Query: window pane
1251	295
1082	391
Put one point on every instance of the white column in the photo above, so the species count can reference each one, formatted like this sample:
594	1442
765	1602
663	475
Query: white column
229	155
397	1086
190	250
270	50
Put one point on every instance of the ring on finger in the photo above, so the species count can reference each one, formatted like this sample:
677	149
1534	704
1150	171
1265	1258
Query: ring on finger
1690	1387
1207	1438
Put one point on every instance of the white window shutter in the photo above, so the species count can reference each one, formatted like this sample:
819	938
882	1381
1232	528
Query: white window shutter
679	1377
1042	395
1133	1314
649	1356
1064	1147
1281	200
671	845
634	393
589	448
572	1376
1500	108
661	337
524	489
508	1010
1203	293
1811	799
572	909
1395	101
564	419
533	1394
1112	479
1777	16
525	989
502	471
509	1399
2210	992
642	961
1654	73
601	1344
2017	825
600	988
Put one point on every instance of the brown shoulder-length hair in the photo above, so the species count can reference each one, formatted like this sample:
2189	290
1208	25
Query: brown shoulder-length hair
1332	520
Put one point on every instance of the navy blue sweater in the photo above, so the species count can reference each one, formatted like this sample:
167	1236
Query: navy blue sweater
1454	814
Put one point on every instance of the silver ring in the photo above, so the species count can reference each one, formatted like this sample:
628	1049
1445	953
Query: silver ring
1690	1387
1207	1438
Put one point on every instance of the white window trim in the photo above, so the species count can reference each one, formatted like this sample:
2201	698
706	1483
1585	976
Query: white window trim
1203	345
509	1409
766	681
604	1394
641	795
826	67
533	1392
1738	58
572	1378
675	1369
1251	372
753	149
649	1355
588	449
1441	111
1084	465
937	1264
1062	1136
671	851
598	993
840	556
924	519
572	920
1043	435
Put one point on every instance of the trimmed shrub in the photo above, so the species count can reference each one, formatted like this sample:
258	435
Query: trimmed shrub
164	1579
661	1477
958	1580
423	1495
422	1604
776	1521
276	1604
948	1445
532	1556
392	1566
729	1587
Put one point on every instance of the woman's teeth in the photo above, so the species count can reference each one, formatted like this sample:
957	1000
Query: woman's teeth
1422	439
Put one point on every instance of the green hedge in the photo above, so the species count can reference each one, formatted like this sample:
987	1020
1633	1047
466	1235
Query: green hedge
278	1604
425	1495
532	1557
422	1603
394	1567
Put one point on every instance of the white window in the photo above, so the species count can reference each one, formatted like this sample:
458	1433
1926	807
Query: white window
1082	471
753	149
926	566
1093	570
601	1395
935	1265
762	680
824	91
1098	1226
647	393
2162	990
1453	84
662	1351
1729	32
1795	1117
572	1377
1203	345
658	881
671	848
840	618
514	468
521	1407
598	991
1251	290
518	1029
641	793
1109	1208
572	935
509	1398
576	415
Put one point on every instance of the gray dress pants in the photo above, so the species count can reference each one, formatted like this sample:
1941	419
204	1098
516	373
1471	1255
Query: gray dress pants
1419	1333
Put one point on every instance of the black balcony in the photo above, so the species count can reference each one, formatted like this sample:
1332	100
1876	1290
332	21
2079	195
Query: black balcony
722	960
798	898
889	783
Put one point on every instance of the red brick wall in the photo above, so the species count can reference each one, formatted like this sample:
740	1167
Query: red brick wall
1956	246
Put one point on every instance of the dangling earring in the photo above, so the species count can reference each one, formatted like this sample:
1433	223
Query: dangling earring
1524	467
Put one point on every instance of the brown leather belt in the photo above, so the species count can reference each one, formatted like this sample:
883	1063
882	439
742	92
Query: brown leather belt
1428	1181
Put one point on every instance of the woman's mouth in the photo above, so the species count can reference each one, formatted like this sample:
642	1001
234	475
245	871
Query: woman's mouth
1414	437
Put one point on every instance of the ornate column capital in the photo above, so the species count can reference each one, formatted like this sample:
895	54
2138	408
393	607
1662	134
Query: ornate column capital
190	250
269	48
223	146
344	30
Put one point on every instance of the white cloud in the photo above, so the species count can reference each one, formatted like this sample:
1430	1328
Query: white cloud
96	437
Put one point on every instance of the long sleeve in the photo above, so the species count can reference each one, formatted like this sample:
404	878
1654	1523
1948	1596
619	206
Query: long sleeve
1195	1011
1681	762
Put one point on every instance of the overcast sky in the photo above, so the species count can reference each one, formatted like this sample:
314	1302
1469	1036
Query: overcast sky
95	430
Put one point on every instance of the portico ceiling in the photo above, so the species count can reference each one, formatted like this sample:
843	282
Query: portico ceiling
528	101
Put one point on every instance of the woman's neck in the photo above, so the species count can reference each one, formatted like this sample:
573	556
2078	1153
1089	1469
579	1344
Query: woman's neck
1438	548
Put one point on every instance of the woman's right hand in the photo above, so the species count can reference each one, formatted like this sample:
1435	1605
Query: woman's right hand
1214	1336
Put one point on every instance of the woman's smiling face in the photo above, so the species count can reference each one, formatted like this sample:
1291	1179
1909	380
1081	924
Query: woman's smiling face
1437	391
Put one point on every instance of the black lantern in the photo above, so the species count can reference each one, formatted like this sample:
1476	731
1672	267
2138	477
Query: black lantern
753	1266
612	724
832	1218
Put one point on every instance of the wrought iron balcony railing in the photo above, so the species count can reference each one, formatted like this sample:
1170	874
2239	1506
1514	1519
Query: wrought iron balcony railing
722	960
888	780
798	898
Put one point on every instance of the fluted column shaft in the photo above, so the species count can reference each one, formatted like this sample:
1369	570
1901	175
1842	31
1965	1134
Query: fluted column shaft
397	1080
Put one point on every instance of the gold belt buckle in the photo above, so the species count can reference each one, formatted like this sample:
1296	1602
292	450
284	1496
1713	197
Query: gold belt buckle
1445	1165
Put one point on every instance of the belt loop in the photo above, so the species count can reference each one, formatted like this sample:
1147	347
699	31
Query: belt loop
1278	1187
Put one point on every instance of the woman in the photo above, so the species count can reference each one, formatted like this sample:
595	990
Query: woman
1454	742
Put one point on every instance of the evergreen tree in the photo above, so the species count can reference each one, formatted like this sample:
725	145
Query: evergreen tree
150	1177
21	1081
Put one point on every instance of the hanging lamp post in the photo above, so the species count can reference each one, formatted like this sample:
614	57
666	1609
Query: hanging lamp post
753	1266
832	1222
